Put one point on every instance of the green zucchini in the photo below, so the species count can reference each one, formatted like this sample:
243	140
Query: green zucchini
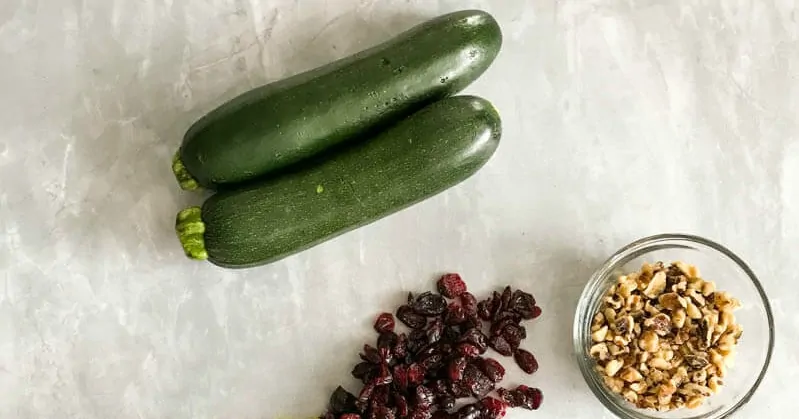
274	126
427	153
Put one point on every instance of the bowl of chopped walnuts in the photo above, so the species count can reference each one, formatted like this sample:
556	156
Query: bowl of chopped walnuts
673	326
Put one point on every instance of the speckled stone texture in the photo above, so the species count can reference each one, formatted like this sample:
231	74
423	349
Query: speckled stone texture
622	119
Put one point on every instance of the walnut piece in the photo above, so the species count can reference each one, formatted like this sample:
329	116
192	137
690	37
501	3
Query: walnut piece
664	338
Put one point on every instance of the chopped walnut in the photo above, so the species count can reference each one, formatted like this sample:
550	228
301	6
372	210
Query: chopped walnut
664	337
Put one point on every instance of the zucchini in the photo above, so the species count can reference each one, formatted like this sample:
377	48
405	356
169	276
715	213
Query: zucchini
427	153
274	126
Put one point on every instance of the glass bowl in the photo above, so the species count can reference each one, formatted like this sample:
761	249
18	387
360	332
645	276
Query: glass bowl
715	263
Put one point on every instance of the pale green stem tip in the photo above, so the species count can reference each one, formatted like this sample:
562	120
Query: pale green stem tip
186	181
190	228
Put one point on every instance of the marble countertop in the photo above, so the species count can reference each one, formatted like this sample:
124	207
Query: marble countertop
622	118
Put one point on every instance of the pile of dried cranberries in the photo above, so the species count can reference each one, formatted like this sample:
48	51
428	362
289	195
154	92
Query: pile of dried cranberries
421	375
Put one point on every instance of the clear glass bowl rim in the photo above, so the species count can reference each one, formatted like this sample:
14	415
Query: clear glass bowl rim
583	306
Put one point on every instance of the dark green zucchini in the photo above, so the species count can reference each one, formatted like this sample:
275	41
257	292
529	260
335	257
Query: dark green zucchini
282	123
430	151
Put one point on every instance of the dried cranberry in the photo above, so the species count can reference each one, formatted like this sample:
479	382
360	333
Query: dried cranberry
526	361
455	314
446	402
499	326
451	285
467	350
366	392
432	362
456	368
477	382
530	398
416	374
469	411
421	413
484	310
434	331
492	369
400	348
406	315
504	301
523	303
400	374
458	389
536	312
469	302
424	397
499	344
380	411
342	401
384	376
384	323
429	304
364	370
514	334
492	408
401	403
370	354
418	336
350	416
476	338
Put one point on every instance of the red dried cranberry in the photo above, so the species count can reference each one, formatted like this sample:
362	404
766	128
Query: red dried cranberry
381	395
421	413
429	304
477	382
458	389
432	362
530	398
504	300
384	323
467	350
526	361
536	312
401	403
384	376
456	368
469	303
451	285
492	369
514	334
342	401
401	347
350	416
469	411
380	411
492	408
499	326
400	374
476	338
499	344
523	303
366	392
387	340
363	371
424	397
415	374
434	331
455	314
406	315
370	354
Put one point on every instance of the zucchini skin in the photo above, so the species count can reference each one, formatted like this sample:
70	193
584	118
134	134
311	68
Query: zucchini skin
269	128
423	155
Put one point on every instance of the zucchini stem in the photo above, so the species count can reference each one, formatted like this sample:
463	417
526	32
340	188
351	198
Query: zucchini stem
186	181
190	229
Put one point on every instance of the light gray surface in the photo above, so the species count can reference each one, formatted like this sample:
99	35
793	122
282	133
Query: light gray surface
622	119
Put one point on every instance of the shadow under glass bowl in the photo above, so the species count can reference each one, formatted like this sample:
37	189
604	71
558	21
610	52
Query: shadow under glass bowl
715	263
